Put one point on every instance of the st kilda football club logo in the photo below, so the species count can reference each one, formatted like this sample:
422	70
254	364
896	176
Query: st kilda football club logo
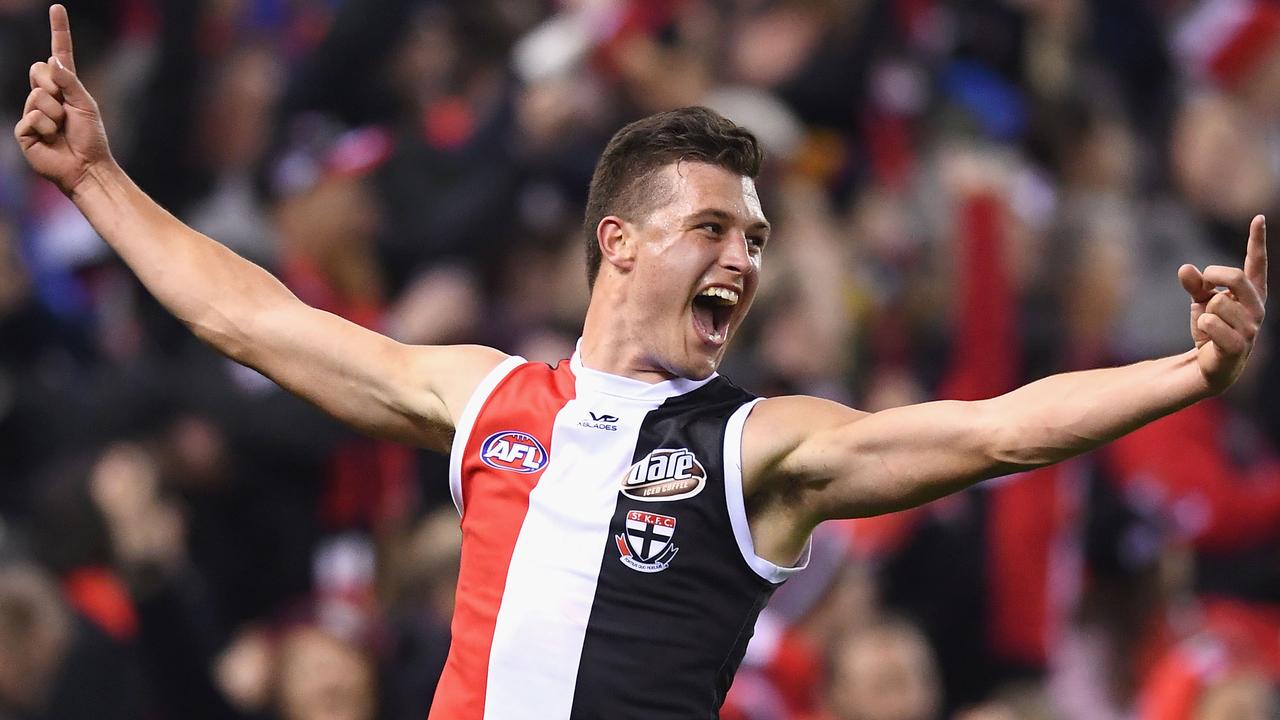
646	545
665	475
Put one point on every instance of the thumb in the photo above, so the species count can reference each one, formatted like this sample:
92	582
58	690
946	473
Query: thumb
73	91
1194	283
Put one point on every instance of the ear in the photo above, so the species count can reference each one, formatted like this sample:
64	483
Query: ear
617	242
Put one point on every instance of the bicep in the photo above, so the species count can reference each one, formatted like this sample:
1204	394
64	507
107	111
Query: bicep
380	387
865	464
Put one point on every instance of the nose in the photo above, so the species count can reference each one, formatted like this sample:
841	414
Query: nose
734	254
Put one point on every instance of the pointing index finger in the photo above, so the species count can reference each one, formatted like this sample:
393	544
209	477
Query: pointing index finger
1255	257
60	36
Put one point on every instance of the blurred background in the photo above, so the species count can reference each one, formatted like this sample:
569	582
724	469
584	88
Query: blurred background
967	195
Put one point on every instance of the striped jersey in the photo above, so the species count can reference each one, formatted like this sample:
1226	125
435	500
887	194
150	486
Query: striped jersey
607	567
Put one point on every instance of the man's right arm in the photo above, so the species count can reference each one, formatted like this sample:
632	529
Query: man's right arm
381	387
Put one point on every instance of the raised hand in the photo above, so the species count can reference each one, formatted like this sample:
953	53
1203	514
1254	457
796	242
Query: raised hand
1225	323
61	131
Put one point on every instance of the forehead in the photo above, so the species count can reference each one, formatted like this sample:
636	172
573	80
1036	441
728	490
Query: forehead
696	186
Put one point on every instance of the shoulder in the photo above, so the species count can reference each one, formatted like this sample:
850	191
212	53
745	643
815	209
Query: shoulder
777	426
456	371
777	432
803	411
779	423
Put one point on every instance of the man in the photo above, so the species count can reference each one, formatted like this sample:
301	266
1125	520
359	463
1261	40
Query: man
35	638
626	514
886	671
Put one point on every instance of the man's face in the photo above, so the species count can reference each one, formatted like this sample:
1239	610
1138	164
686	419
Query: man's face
883	675
322	678
697	266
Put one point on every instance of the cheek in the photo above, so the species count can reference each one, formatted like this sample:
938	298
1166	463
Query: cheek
654	295
751	281
671	273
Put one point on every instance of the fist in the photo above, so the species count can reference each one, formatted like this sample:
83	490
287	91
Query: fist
61	133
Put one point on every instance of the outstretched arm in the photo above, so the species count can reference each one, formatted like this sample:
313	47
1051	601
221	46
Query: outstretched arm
807	460
380	386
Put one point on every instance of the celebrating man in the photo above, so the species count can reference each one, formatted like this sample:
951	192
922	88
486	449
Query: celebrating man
627	513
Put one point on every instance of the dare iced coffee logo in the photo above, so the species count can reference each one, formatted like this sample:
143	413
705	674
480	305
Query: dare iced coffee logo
665	475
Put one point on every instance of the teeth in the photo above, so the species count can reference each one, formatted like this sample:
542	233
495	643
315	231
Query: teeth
730	297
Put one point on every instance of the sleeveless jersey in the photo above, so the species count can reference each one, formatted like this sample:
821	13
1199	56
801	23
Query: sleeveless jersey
608	572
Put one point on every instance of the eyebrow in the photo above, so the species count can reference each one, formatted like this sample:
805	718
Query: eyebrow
729	217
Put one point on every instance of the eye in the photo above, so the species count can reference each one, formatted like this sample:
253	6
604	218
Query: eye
714	228
756	241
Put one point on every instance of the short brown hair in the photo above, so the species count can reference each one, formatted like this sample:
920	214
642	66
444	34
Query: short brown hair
622	182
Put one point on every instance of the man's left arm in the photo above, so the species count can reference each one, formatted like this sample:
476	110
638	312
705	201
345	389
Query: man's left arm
807	460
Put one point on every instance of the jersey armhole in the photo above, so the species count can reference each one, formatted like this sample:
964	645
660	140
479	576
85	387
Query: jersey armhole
462	431
737	504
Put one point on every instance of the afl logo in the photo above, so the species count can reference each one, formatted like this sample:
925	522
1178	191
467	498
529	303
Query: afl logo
514	451
665	475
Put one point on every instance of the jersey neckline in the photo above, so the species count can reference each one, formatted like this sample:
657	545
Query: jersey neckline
609	384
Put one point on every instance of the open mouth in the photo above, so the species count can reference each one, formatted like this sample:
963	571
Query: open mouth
712	310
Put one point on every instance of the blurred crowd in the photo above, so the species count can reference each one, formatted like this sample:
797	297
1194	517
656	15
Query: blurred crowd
966	194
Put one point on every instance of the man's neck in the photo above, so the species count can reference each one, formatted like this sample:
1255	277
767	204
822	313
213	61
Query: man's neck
610	344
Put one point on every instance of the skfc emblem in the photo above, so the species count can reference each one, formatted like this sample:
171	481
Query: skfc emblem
514	451
646	545
665	475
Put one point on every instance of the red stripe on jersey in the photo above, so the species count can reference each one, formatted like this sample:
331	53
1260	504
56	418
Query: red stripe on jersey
495	501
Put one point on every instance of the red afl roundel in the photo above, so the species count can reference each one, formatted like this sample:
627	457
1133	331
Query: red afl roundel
515	451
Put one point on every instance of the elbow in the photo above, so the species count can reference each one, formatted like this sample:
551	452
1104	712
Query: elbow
235	310
222	332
